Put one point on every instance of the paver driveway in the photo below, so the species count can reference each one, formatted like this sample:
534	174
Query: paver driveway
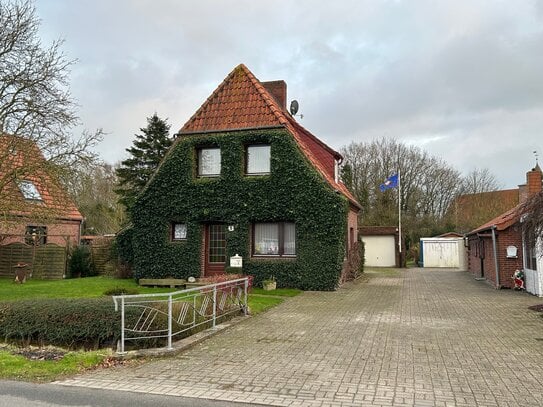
410	337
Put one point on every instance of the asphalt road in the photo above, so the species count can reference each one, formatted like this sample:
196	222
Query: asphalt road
21	394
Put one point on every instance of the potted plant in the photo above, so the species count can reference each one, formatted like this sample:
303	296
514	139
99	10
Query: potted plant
269	284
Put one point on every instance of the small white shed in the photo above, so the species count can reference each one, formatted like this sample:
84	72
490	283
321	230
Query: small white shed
444	252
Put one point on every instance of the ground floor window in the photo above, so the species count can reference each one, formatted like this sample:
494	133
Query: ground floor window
274	239
179	231
36	235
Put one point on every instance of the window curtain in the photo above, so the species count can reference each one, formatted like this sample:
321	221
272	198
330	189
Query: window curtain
266	238
258	160
209	161
289	239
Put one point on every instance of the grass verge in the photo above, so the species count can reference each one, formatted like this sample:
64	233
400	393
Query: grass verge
18	367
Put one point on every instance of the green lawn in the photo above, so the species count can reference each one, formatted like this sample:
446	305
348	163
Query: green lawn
20	368
88	287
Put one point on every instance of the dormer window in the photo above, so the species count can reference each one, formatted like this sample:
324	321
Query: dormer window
258	159
209	162
29	190
336	171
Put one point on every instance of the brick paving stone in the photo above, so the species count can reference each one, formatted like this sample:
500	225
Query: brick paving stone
414	337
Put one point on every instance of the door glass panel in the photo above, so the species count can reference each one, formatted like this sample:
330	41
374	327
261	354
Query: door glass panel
217	244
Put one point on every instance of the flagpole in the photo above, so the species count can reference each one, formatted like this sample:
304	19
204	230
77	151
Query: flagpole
400	214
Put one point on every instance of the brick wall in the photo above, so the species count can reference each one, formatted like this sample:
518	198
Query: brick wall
352	228
512	236
59	232
507	266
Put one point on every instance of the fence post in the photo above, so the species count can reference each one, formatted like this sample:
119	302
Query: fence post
122	324
170	321
245	289
214	305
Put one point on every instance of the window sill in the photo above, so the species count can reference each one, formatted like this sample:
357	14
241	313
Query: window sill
272	257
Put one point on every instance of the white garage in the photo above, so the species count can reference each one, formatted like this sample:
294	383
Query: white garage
380	251
443	252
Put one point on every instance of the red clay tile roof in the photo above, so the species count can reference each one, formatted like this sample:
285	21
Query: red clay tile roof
23	155
242	102
502	221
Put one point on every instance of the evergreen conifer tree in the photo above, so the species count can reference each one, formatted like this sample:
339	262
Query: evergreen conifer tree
147	151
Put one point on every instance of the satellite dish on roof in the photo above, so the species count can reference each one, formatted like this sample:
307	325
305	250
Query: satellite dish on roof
294	107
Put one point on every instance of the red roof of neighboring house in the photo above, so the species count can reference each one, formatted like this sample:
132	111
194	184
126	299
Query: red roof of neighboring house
242	102
24	157
502	221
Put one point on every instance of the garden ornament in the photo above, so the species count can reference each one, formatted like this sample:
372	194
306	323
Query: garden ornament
518	278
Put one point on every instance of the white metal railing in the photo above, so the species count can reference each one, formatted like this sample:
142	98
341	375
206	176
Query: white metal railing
167	315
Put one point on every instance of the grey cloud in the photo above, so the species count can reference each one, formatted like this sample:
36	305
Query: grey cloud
458	78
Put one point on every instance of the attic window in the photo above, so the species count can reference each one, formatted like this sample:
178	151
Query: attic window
209	162
29	190
258	159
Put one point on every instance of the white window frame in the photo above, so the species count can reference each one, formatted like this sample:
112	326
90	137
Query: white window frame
29	190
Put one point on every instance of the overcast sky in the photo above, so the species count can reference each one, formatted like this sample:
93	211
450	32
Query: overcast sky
461	79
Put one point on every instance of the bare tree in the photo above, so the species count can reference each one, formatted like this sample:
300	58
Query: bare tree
36	108
531	216
479	180
93	191
428	185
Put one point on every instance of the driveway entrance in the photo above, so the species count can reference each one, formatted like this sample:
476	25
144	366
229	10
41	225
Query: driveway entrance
425	337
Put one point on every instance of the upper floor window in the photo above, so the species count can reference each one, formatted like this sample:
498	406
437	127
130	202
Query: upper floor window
258	159
29	190
274	239
209	162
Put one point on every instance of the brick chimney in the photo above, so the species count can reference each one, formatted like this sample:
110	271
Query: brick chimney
278	89
533	180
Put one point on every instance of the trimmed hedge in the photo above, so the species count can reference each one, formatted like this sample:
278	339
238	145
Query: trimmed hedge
72	323
293	192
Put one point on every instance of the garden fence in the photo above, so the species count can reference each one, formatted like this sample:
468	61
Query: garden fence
179	314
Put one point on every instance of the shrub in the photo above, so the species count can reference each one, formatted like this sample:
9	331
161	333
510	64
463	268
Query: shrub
80	263
121	291
72	323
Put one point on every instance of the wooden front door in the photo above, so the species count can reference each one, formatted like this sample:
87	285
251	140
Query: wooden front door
215	249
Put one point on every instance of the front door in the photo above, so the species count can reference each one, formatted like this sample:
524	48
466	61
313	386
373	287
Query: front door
215	249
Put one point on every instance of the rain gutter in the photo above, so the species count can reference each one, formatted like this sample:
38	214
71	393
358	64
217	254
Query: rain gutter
494	247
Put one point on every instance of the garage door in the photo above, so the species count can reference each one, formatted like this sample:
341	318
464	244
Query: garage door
380	251
441	253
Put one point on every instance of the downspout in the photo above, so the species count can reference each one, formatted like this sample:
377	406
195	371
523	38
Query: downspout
496	266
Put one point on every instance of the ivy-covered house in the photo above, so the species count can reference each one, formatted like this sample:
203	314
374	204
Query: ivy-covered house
243	177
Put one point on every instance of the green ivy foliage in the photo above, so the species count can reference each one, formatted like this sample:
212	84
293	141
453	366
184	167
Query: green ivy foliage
293	192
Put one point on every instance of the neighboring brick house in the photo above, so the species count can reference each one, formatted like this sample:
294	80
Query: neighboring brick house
34	208
243	177
496	249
